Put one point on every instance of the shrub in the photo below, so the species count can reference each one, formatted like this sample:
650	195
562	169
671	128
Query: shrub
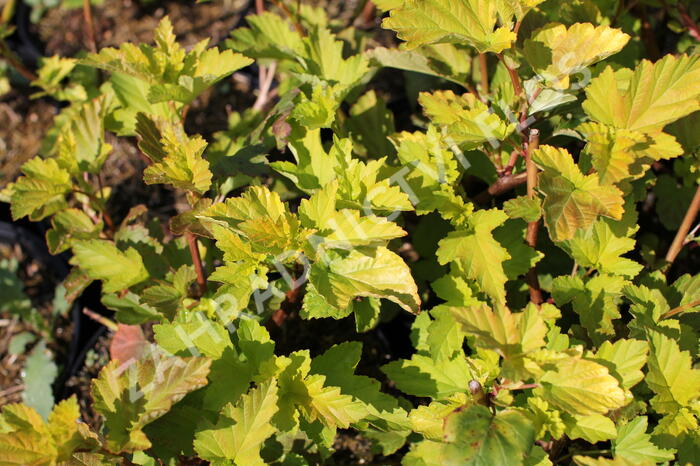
545	330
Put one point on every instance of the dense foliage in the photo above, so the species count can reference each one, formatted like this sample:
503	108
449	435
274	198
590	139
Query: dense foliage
546	329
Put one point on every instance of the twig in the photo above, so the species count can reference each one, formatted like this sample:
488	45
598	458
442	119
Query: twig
11	390
679	309
367	16
532	227
101	319
265	84
691	234
105	215
483	67
682	233
574	269
524	386
514	155
197	261
265	74
693	29
502	185
14	62
89	26
514	78
517	27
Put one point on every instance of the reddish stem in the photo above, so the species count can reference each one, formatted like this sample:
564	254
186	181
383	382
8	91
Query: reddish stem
197	261
483	67
502	185
532	227
514	78
89	27
688	22
7	54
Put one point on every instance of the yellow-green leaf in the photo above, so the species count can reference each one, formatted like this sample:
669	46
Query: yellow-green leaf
671	375
478	254
468	121
555	51
619	154
102	260
572	200
241	430
581	387
471	22
655	95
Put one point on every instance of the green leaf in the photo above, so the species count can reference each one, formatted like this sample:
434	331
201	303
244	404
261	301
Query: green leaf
323	57
23	439
309	394
70	225
379	274
529	209
555	51
599	247
546	419
338	365
446	61
655	95
132	94
319	109
102	260
130	398
81	145
370	125
511	235
14	299
619	154
671	428
592	428
202	335
426	377
19	342
177	158
171	73
475	436
581	387
634	444
624	359
26	439
430	171
260	216
38	375
269	36
130	309
466	119
478	254
53	70
241	430
595	301
572	200
510	335
471	22
671	375
41	191
428	420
